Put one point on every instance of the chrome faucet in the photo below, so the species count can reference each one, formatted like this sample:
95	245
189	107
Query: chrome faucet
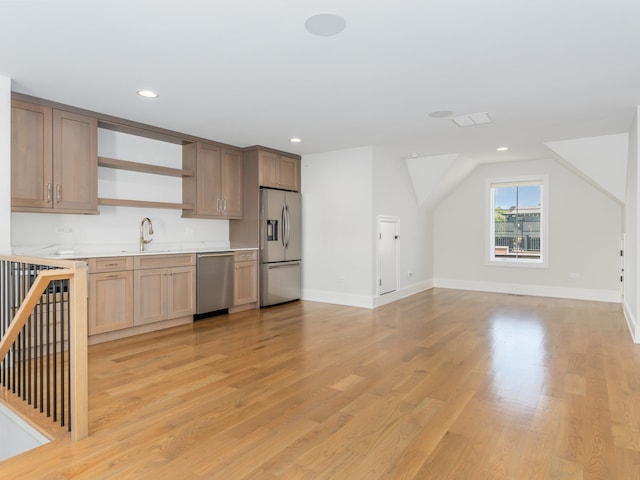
144	241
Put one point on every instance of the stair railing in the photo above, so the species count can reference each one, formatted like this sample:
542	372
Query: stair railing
43	337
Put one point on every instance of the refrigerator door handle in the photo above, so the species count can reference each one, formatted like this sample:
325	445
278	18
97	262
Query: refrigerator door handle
283	227
286	208
289	224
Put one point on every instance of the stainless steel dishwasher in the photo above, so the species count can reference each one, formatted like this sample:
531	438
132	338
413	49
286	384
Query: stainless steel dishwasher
214	289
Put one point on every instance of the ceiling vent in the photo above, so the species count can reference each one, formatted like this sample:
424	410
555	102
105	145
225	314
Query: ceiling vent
472	119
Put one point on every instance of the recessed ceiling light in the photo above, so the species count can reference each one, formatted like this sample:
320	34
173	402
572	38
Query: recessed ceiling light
147	93
472	119
295	140
441	114
502	149
325	24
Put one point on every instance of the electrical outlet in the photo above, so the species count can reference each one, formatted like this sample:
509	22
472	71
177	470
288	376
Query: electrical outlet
64	230
575	275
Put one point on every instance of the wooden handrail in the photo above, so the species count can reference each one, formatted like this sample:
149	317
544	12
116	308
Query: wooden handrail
76	272
30	301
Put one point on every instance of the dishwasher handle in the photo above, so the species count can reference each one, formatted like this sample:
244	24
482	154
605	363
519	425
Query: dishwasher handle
207	255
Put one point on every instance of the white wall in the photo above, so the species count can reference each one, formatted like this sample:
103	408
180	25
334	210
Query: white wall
337	227
343	193
119	226
631	222
585	227
393	196
5	165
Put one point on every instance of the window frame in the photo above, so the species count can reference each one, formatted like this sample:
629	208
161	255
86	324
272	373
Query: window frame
491	184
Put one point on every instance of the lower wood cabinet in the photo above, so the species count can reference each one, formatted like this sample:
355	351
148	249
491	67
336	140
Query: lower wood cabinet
164	288
110	304
136	292
245	278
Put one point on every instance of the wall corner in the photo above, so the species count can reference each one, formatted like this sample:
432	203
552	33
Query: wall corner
5	165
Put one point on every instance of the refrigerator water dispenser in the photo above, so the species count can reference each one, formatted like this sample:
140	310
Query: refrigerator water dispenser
272	230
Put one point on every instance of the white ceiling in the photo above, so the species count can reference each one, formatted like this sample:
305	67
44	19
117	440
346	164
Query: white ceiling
247	72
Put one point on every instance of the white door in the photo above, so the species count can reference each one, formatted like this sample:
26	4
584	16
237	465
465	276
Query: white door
388	241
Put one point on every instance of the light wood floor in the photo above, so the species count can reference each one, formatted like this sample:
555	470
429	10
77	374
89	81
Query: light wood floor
445	384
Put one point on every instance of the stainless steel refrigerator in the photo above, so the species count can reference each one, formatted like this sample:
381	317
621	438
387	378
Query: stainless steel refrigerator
280	246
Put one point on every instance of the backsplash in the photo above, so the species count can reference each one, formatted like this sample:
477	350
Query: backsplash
114	225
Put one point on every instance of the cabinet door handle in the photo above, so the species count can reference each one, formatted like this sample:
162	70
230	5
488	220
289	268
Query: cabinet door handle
58	192
113	275
48	192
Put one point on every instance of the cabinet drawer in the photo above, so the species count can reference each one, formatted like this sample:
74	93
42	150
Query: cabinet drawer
244	255
110	264
163	261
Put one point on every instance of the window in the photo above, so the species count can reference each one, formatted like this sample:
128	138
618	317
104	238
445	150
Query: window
517	221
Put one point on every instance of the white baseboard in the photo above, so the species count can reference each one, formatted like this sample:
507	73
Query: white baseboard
363	301
632	324
595	295
403	292
338	298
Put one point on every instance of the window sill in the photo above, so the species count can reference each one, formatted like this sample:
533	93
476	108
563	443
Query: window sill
507	262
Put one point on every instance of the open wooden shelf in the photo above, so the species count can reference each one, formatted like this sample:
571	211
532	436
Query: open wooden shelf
143	167
117	202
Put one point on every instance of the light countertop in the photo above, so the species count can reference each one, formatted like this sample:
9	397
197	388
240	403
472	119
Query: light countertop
75	252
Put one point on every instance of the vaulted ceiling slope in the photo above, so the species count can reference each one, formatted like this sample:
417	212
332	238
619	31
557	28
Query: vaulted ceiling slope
248	72
600	160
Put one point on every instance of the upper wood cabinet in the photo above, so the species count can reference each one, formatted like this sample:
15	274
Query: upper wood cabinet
278	171
215	190
231	182
31	153
53	160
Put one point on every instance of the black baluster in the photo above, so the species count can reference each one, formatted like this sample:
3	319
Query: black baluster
62	364
41	354
69	354
55	357
48	335
28	333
